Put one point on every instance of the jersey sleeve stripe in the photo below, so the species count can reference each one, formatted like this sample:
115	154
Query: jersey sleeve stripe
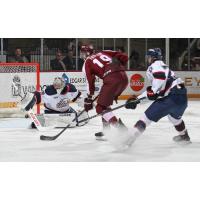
159	75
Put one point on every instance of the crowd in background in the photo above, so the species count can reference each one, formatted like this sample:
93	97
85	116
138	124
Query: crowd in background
62	54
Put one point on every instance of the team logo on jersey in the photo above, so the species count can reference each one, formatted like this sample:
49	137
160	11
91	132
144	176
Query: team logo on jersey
136	82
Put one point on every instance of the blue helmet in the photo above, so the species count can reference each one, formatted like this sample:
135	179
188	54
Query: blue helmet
155	53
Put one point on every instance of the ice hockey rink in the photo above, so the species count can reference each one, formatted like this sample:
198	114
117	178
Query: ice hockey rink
19	143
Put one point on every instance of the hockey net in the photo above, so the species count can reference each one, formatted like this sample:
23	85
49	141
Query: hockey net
17	83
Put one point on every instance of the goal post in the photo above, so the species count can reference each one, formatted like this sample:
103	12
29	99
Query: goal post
16	81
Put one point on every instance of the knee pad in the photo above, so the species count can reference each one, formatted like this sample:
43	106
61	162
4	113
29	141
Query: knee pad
174	121
37	96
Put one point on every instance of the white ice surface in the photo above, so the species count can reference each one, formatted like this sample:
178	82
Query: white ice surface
18	143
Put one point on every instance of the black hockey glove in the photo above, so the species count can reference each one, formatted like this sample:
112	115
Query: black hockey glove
88	103
30	104
131	103
35	100
151	95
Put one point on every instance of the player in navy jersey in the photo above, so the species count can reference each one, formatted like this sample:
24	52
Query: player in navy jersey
169	97
110	67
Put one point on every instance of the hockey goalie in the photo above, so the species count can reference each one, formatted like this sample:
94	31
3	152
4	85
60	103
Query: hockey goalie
56	99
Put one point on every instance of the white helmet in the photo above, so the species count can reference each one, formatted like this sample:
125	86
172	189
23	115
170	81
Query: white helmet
59	83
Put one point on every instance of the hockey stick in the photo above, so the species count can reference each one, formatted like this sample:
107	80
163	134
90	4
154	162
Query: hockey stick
49	138
37	123
44	137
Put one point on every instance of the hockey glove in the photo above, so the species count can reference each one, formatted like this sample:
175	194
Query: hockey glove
35	100
131	103
88	103
123	58
151	95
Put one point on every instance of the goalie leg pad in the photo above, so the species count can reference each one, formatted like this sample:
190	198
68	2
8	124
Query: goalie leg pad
60	120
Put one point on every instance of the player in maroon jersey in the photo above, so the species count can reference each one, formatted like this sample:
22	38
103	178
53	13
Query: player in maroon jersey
109	66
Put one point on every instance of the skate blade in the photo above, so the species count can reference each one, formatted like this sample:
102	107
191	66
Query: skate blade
183	142
101	138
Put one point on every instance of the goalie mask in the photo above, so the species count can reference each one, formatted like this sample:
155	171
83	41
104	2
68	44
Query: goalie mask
86	50
59	84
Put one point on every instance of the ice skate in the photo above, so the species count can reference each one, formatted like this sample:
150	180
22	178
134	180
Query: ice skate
100	136
183	139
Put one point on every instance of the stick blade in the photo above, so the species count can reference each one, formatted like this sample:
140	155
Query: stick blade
47	138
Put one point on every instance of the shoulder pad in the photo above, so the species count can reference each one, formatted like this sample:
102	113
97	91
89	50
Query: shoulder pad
50	90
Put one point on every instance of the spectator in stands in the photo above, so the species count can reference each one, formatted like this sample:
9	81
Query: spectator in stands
19	58
70	61
120	49
135	62
80	63
57	63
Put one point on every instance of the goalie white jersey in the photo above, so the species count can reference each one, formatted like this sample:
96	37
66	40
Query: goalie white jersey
59	102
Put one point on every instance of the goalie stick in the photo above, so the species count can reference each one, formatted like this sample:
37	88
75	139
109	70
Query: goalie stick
49	138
